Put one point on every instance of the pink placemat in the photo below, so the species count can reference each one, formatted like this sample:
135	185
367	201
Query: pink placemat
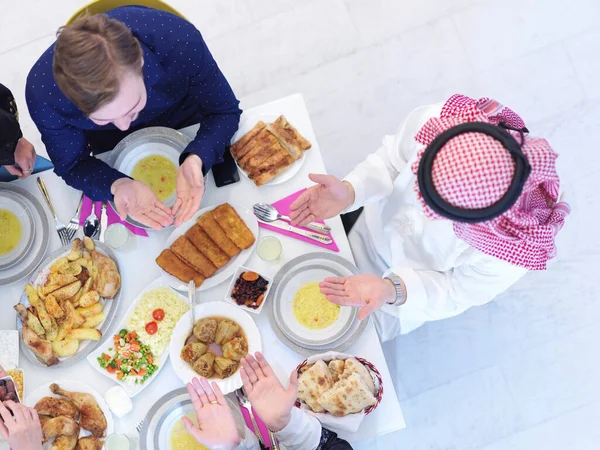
111	216
283	206
264	431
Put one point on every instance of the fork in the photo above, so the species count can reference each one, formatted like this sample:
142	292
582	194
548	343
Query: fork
60	228
244	402
73	225
269	213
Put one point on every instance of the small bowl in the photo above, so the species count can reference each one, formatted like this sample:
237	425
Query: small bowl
235	277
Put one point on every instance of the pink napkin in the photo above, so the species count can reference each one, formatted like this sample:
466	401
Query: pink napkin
111	216
283	206
264	431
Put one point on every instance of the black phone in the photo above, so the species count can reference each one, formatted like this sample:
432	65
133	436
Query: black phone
226	173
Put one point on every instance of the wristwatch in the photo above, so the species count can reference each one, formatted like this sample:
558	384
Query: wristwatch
400	295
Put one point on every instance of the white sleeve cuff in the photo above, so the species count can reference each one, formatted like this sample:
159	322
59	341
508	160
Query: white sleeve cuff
302	433
359	191
416	295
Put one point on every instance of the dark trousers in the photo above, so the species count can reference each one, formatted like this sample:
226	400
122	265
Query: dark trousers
350	219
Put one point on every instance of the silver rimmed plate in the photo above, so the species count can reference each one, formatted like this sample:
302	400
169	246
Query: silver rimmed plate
40	236
312	267
167	413
147	142
111	306
12	204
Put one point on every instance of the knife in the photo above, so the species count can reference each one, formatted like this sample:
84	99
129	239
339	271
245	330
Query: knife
299	231
103	222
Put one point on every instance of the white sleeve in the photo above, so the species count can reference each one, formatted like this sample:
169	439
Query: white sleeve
302	433
433	295
373	179
249	441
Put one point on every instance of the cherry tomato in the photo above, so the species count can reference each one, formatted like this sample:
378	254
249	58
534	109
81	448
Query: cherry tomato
158	314
151	328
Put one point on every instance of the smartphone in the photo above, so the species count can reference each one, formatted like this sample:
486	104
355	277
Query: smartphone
226	173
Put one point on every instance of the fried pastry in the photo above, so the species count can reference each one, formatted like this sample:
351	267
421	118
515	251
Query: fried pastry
233	226
210	226
189	254
240	148
289	137
207	247
171	264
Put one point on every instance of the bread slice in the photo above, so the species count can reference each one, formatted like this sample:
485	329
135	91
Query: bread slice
312	383
210	226
348	396
171	264
352	365
289	137
189	254
233	226
206	246
240	148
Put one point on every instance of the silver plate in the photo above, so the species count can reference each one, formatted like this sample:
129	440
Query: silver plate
20	253
40	241
341	341
158	135
110	310
157	425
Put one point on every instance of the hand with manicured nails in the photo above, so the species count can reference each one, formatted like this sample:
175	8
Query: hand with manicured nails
136	200
21	429
216	425
190	189
271	401
24	159
367	292
327	199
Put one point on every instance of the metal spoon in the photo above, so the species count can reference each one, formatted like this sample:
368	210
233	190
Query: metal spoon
269	213
91	226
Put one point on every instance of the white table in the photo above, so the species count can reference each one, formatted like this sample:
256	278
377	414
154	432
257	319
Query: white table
138	270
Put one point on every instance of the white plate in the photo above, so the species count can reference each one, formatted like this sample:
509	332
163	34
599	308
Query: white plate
39	242
247	122
184	329
23	214
74	386
237	274
158	423
131	388
228	269
110	306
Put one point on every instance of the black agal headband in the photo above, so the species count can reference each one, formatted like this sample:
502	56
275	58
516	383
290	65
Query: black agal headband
445	209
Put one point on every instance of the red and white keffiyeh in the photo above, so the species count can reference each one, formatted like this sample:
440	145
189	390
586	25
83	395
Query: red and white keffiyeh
473	171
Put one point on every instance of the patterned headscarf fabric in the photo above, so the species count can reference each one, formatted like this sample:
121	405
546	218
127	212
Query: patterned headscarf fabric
474	171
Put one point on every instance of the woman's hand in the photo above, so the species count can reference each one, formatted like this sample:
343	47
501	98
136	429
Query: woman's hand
24	159
216	426
136	200
367	292
271	401
21	429
325	200
190	189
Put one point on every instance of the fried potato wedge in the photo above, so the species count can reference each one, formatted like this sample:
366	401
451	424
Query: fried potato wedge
53	307
89	244
76	250
72	268
66	347
58	264
85	334
30	320
89	299
90	310
67	291
93	321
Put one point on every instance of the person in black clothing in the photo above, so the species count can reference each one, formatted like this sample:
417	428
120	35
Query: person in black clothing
17	154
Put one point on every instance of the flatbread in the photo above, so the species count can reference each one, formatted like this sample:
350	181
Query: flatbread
313	383
348	396
352	365
336	368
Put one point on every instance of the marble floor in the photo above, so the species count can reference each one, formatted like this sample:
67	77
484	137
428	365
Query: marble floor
520	373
